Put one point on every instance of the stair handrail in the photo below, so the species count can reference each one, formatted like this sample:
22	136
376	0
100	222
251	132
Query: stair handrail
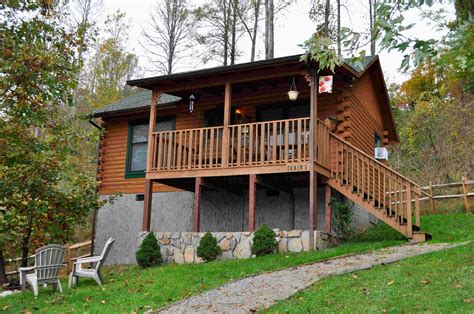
381	164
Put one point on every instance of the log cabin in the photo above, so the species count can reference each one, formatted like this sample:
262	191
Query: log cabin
225	150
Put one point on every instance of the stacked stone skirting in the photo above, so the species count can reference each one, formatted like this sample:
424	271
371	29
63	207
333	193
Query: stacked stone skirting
180	247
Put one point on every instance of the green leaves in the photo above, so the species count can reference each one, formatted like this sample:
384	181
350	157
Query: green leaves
44	193
319	49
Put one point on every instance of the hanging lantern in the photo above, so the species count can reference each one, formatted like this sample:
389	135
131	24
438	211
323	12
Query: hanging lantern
192	99
293	92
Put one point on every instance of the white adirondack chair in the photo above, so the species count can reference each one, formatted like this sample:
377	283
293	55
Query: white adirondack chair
94	272
48	261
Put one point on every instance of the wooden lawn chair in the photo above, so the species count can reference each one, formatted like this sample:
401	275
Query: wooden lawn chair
48	261
94	272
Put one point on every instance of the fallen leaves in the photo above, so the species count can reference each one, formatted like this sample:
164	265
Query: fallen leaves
390	282
424	281
470	300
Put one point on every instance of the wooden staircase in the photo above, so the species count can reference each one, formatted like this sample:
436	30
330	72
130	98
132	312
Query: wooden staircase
383	192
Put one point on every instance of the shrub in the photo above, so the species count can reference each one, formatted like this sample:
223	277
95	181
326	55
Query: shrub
264	241
208	248
149	253
342	218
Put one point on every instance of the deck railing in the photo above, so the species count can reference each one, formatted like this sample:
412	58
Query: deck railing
265	143
376	183
250	144
187	149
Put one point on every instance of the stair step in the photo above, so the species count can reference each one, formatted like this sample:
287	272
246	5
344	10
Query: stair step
420	236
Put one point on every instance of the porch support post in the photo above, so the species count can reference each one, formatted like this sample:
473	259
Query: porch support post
149	183
227	115
197	204
147	205
327	212
313	178
252	201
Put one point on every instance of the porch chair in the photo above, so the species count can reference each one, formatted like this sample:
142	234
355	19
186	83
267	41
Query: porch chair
48	261
94	272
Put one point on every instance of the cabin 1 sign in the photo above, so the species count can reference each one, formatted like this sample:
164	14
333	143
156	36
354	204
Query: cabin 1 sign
325	84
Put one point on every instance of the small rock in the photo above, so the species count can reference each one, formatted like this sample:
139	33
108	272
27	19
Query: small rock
282	245
189	254
224	244
175	235
243	249
305	240
165	241
293	233
294	245
178	256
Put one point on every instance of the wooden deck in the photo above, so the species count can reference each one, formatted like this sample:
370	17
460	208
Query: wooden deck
254	148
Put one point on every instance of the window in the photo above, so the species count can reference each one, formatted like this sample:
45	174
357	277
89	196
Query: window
138	144
377	141
283	111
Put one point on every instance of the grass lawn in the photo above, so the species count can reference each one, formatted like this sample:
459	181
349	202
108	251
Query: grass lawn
441	282
131	288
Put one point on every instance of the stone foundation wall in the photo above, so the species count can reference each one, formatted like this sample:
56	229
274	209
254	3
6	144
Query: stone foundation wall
180	247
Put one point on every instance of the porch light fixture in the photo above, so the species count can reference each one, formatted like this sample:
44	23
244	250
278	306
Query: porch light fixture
293	92
192	99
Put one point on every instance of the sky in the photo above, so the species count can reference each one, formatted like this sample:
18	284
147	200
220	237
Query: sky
293	27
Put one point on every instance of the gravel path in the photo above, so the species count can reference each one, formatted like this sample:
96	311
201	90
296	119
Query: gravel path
262	291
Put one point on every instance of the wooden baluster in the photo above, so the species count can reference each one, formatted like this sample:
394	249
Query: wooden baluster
249	129
239	145
304	139
299	137
287	142
274	148
160	150
210	153
200	147
169	150
175	149
352	170
267	126
262	143
374	183
232	141
180	150
190	149
408	211
153	154
390	192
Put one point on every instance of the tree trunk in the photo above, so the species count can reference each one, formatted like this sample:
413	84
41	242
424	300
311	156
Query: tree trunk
372	15
339	28
234	31
269	29
326	18
226	33
25	243
254	37
3	271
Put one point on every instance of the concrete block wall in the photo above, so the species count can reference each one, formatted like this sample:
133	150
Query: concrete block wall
220	212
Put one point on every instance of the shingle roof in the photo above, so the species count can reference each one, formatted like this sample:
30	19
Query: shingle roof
138	100
141	99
